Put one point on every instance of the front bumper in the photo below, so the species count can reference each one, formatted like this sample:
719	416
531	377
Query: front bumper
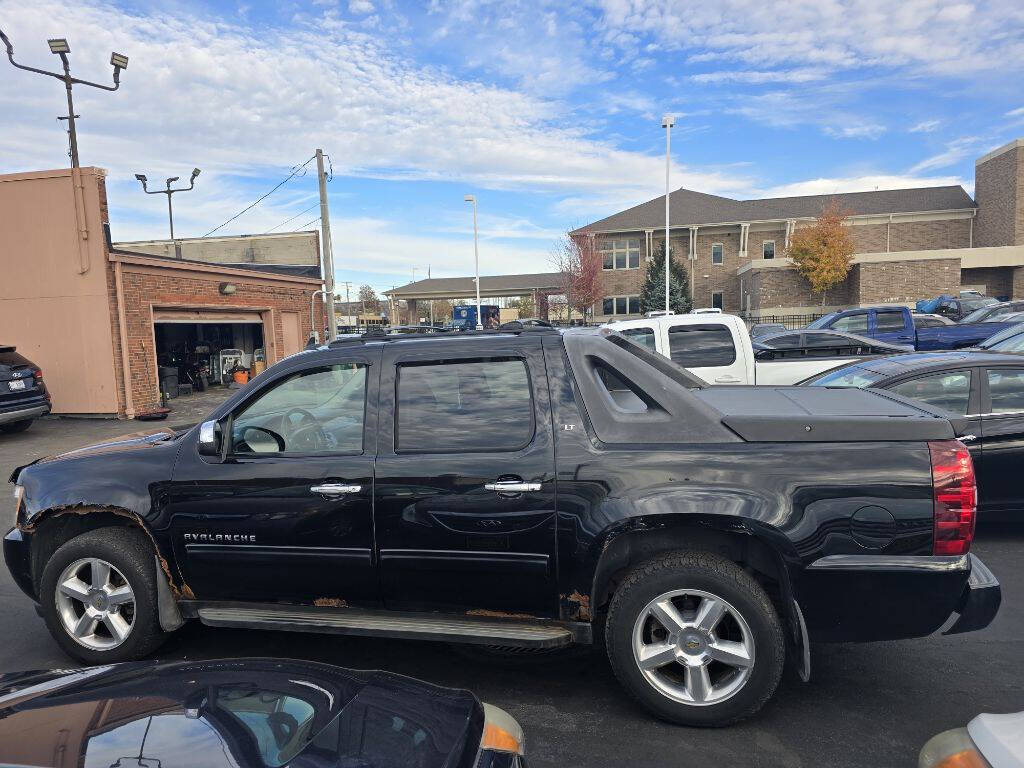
17	555
980	600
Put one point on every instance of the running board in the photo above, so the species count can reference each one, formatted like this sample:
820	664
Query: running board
423	626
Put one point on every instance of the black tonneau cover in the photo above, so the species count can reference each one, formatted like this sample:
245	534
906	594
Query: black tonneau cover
819	414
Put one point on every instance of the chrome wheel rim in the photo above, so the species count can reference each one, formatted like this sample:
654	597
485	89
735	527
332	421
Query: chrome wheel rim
95	603
693	647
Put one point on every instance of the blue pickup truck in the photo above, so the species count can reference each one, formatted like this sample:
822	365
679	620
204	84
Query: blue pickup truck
896	325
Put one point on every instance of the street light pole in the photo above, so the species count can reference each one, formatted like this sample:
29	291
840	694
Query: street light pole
667	122
60	47
476	257
170	211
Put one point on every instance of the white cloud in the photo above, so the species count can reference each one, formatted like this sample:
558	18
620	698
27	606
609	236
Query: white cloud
245	102
839	34
786	109
1018	112
867	183
360	6
955	151
757	77
925	126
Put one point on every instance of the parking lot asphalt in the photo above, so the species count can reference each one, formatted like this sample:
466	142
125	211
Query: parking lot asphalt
866	705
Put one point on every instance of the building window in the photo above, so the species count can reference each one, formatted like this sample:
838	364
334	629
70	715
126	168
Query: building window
768	249
620	305
717	256
716	300
620	254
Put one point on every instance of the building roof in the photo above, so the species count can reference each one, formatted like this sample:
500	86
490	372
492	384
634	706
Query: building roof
689	208
490	285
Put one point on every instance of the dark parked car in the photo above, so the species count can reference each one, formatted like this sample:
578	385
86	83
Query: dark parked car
956	307
994	312
1010	339
528	489
23	395
985	389
255	713
821	343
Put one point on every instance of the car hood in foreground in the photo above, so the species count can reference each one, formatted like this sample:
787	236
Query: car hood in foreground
253	713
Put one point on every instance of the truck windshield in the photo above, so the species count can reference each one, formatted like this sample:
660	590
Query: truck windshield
850	376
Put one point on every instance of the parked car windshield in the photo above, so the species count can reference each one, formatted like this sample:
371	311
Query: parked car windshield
971	303
821	322
847	376
999	337
1013	343
980	314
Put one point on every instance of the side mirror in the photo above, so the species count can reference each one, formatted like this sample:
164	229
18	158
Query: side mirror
209	440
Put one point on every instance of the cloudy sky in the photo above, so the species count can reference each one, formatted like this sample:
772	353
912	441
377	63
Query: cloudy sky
549	112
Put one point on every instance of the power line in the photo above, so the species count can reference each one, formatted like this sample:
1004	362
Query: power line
307	210
294	173
314	221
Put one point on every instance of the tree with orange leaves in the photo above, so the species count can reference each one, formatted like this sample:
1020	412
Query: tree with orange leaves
579	261
822	252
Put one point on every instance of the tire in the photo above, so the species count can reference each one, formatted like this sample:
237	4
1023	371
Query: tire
748	628
130	557
16	426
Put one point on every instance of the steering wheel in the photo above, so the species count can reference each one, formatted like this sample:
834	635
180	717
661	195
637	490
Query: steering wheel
306	433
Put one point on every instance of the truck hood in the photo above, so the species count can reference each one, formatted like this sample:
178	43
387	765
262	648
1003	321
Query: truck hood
124	443
820	414
261	713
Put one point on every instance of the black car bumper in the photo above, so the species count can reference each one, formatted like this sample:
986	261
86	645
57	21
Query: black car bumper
980	600
17	555
851	598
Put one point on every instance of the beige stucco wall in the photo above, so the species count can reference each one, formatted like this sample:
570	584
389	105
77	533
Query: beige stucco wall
53	295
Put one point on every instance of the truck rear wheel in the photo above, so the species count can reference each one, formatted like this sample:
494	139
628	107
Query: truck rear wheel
695	639
98	596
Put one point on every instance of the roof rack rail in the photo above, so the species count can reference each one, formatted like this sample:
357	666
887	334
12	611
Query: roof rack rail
379	333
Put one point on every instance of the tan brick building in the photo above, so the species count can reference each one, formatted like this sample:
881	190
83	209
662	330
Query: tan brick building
106	322
910	244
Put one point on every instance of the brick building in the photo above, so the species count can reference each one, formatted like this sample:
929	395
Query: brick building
909	244
104	321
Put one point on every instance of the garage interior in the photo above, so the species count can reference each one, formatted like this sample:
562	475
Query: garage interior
200	351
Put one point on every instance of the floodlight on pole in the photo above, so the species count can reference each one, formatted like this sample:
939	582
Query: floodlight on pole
667	122
170	211
59	47
476	258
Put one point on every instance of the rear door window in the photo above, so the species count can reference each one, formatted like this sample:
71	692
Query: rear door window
701	346
465	405
1006	390
950	390
889	321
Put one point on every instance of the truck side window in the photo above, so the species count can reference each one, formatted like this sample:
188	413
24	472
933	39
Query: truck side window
853	323
948	390
319	410
478	405
701	346
889	321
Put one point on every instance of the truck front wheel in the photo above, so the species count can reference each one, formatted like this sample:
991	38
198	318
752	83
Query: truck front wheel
98	596
695	639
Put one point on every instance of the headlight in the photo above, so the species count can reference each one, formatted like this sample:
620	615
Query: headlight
19	494
952	749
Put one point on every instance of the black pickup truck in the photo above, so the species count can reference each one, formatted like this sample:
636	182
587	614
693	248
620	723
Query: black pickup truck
520	488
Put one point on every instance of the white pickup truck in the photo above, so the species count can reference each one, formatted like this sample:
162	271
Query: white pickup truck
717	348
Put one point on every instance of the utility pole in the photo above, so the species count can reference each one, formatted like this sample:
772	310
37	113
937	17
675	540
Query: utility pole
325	236
476	259
348	304
431	301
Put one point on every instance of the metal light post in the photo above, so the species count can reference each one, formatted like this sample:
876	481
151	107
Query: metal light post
170	212
476	256
667	122
60	47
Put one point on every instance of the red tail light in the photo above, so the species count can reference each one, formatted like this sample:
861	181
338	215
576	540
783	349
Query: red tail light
955	495
37	373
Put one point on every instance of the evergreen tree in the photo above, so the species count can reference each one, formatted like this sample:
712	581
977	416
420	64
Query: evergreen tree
652	295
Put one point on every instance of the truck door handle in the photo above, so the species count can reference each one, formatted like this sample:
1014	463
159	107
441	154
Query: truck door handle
512	486
727	379
333	490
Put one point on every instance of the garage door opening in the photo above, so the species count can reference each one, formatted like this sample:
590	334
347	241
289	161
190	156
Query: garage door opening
206	352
